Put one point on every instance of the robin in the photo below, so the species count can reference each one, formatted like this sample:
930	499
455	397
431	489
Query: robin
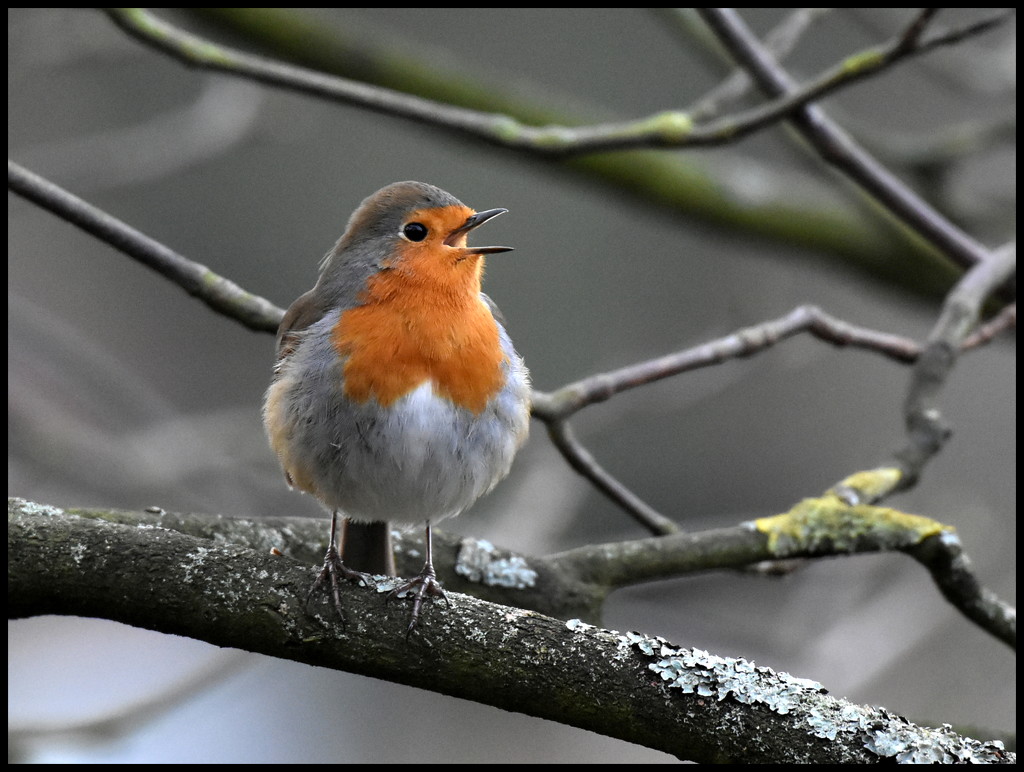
397	395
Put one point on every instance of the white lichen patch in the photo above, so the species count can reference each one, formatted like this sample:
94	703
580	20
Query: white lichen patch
894	737
578	625
884	734
479	561
33	508
195	560
387	583
77	552
695	671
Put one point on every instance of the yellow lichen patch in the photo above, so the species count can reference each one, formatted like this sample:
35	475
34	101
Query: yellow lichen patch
868	486
864	61
828	523
673	125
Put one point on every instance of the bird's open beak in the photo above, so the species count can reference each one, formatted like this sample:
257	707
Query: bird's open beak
472	222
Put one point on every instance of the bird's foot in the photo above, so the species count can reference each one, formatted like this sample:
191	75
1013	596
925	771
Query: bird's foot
423	587
334	570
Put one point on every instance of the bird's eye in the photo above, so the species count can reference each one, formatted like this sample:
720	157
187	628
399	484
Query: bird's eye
415	231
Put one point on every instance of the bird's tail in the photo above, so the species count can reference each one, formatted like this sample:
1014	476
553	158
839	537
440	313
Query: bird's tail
367	547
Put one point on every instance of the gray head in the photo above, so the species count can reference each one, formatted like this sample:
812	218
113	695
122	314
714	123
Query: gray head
408	222
381	214
386	224
371	231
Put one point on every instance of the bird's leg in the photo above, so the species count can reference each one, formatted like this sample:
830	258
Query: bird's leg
335	568
424	584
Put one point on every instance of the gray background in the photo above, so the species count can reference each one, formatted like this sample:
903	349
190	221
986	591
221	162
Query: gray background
123	391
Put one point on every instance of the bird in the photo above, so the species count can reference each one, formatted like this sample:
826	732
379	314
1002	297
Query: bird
397	395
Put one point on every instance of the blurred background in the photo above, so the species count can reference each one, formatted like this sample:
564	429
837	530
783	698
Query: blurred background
125	392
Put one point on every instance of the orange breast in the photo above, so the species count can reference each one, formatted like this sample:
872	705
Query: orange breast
417	326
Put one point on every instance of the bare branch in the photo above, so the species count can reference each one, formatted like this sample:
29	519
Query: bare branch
927	429
671	129
577	581
693	186
951	569
999	324
555	407
582	461
817	527
839	149
912	34
220	294
780	40
632	686
743	343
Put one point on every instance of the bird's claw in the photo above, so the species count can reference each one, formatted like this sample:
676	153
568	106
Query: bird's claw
334	569
423	586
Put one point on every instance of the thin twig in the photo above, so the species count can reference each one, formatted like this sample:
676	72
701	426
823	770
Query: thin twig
953	574
927	429
781	40
839	149
220	294
580	459
555	407
997	325
743	343
670	129
678	184
912	34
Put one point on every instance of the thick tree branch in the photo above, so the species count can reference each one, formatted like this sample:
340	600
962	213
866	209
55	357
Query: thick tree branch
630	686
577	582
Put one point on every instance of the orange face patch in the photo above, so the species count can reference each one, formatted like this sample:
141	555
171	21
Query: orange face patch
422	320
